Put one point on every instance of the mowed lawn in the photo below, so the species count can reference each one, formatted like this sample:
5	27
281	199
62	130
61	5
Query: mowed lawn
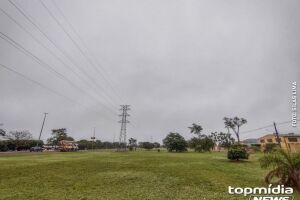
125	175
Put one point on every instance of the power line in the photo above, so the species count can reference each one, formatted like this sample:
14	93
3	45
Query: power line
264	127
42	63
44	86
27	16
44	46
84	44
39	84
72	40
257	129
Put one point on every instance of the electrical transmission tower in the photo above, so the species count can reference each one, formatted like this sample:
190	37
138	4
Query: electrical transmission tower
123	121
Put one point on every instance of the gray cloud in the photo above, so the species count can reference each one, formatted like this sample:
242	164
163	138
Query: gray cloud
175	62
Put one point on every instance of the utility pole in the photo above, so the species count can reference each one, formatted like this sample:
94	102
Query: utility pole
277	134
123	121
45	114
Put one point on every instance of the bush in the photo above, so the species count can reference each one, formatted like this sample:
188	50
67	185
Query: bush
255	147
237	152
203	144
146	145
19	145
272	147
175	142
3	146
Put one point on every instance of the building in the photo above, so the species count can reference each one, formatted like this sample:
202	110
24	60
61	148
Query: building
251	141
290	142
66	145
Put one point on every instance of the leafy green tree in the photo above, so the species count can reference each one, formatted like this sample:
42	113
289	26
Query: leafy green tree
3	145
202	144
285	168
18	138
87	144
84	144
58	135
222	139
196	129
18	135
234	124
175	142
98	144
19	145
146	145
132	144
156	145
225	140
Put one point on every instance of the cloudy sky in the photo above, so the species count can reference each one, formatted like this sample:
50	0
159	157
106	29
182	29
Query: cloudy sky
175	62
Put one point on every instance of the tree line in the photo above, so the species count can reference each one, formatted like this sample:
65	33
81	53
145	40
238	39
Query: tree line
18	141
206	142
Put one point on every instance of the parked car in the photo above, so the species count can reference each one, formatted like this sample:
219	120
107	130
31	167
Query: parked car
36	149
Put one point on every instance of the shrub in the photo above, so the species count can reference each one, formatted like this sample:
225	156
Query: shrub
255	148
271	147
19	145
203	144
237	152
146	145
3	146
175	142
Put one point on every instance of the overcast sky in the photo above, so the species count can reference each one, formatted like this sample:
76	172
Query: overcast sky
176	62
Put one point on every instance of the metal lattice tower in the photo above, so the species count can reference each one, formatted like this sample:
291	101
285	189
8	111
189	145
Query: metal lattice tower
123	121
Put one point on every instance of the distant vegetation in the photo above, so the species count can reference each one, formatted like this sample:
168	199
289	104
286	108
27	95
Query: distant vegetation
18	141
58	135
175	142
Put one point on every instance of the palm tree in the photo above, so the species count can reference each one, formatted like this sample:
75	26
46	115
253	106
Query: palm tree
196	129
285	168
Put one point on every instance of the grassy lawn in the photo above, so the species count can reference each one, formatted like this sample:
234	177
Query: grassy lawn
131	175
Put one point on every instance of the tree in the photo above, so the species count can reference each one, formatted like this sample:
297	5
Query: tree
18	135
175	142
196	129
98	144
234	124
132	143
285	168
2	132
202	144
156	145
222	139
19	139
146	145
58	135
6	145
86	144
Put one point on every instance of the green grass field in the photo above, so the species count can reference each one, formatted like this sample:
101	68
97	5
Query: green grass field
125	175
